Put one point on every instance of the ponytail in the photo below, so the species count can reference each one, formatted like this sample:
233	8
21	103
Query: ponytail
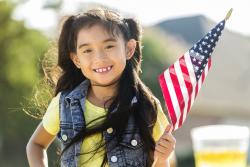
72	76
135	31
64	42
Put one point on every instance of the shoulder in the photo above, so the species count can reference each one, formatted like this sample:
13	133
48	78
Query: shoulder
55	99
54	102
161	121
157	103
51	117
161	115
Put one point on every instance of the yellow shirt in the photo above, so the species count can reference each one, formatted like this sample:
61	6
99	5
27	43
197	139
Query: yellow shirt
51	124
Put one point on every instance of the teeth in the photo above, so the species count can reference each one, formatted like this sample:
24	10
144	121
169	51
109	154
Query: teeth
103	69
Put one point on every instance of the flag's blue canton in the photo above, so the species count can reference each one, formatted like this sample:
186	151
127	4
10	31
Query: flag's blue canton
203	49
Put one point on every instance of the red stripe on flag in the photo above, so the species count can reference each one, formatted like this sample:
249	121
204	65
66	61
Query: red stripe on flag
209	63
203	75
187	80
178	91
167	98
196	88
189	102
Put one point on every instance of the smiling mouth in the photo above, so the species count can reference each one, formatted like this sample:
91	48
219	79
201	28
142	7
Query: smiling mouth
104	69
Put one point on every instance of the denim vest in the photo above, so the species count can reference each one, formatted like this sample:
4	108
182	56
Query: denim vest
127	153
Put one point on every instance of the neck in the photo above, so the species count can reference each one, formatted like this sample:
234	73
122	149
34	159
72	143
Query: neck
99	95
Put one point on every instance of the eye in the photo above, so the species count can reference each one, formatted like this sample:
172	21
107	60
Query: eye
110	46
87	51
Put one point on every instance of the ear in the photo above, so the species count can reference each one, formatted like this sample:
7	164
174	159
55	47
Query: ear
75	59
130	50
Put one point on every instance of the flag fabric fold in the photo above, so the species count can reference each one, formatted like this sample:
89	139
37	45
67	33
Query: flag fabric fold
181	82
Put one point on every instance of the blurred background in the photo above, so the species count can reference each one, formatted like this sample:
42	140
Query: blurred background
28	28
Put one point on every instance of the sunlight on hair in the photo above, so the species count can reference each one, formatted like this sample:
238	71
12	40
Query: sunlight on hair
43	91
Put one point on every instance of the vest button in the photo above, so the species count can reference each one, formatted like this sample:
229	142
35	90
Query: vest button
133	142
110	130
64	137
113	159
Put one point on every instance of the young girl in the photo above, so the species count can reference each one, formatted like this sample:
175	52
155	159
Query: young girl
102	113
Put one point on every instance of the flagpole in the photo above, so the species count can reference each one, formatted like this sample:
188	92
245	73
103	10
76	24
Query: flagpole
228	14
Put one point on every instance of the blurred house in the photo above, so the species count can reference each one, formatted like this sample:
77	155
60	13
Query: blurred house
225	95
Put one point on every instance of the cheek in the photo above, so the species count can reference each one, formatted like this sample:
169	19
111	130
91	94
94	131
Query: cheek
84	64
122	64
86	70
120	55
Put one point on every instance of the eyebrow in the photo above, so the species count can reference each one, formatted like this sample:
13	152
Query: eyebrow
106	40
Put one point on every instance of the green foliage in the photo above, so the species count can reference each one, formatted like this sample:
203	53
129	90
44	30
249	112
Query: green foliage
156	56
20	51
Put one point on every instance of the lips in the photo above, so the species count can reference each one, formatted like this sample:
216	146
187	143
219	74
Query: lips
103	69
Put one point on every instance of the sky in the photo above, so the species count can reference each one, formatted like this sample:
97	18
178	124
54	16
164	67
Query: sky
148	12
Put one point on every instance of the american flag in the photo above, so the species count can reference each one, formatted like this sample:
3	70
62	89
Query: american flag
181	82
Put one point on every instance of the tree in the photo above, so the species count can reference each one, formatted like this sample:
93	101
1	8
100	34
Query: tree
159	50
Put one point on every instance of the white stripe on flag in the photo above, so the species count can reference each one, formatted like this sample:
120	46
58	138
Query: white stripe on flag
206	70
183	88
199	84
191	75
173	96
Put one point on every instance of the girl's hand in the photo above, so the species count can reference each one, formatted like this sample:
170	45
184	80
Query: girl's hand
164	146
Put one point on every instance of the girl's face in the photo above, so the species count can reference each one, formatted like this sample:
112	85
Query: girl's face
101	57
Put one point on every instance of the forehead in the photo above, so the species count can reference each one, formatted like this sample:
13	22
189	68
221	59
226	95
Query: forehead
95	34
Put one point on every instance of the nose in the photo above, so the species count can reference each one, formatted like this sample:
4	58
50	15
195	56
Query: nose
100	54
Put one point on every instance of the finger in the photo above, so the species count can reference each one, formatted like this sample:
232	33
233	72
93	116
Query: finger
169	137
161	149
164	143
168	128
168	146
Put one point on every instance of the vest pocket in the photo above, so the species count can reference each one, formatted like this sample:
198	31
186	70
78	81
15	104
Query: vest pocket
66	133
132	141
65	136
132	147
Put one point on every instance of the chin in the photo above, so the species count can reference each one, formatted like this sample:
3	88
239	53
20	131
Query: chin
105	83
